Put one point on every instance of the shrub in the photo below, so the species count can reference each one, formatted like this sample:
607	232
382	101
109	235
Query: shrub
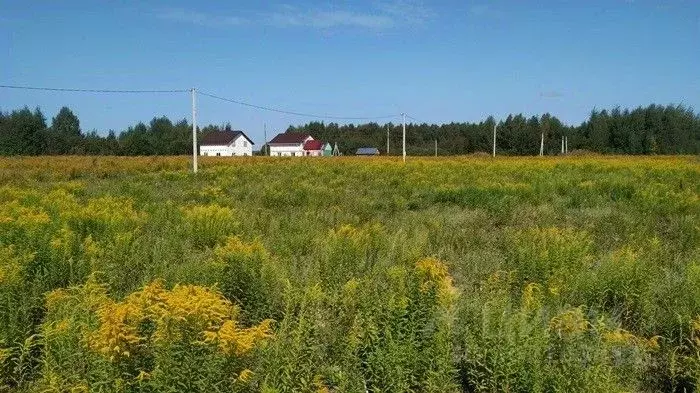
207	225
526	348
548	254
348	252
252	278
185	338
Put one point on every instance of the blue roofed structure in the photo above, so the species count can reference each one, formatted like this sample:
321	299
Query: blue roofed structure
367	151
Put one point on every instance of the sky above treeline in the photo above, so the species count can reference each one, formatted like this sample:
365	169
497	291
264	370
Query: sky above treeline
438	61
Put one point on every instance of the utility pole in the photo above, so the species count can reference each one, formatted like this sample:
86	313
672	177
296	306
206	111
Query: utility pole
495	125
435	147
403	115
542	145
265	147
194	130
562	144
387	139
566	144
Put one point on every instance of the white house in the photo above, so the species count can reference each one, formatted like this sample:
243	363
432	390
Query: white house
288	144
226	143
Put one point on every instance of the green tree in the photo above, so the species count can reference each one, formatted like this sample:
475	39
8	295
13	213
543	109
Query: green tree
136	141
64	136
599	131
22	133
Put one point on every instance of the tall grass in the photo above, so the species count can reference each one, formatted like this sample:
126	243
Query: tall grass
347	275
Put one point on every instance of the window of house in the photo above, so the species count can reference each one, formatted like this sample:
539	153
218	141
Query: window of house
218	154
245	143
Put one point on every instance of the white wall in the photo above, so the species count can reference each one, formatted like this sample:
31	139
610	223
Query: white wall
239	147
288	149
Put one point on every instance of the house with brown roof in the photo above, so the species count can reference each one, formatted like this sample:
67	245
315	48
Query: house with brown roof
289	144
226	143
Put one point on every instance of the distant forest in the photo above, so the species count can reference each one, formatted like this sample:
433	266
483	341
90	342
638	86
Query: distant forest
655	129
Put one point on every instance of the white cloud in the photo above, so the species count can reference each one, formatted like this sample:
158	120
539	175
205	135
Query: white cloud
407	11
327	19
382	15
200	18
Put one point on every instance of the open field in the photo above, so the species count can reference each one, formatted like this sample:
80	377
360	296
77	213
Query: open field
350	275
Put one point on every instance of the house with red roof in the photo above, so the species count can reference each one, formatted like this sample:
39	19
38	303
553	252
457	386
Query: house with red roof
289	144
313	147
295	144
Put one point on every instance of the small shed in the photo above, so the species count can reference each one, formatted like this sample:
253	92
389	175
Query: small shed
367	151
327	149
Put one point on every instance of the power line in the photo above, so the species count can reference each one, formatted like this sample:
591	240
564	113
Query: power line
92	90
292	112
413	118
435	139
261	107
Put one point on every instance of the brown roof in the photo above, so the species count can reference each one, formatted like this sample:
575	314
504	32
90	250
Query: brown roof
221	138
289	137
313	145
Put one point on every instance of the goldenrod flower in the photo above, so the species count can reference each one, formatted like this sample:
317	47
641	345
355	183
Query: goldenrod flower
244	375
434	274
175	314
571	322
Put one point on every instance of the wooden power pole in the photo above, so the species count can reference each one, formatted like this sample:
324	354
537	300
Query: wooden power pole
495	125
194	130
387	139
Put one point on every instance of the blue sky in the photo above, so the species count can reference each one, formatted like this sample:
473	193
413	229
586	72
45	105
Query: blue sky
438	61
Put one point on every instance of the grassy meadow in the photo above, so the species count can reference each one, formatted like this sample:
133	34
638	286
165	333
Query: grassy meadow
469	274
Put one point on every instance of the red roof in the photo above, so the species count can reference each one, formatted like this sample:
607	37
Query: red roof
313	145
289	137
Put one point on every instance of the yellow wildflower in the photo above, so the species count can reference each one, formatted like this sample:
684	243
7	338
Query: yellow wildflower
55	297
244	376
532	296
241	341
320	385
5	354
621	337
11	265
434	274
235	246
696	324
571	322
175	315
142	376
79	388
62	325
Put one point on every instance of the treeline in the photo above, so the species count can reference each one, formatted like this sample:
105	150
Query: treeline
653	129
25	132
